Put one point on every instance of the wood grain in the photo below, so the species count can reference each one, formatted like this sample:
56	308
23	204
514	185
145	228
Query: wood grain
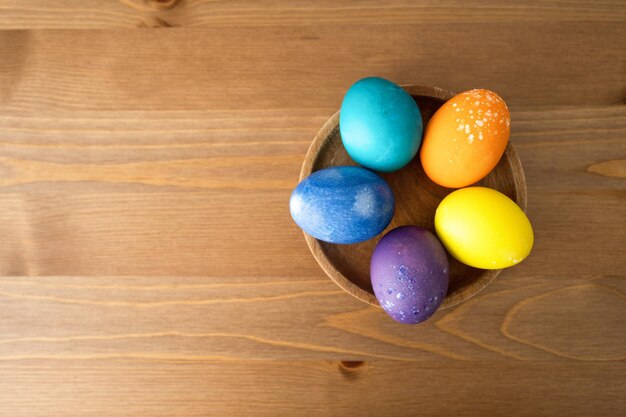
241	68
89	195
327	387
192	319
92	14
148	262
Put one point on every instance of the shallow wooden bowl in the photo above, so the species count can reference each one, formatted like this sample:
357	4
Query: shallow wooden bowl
417	197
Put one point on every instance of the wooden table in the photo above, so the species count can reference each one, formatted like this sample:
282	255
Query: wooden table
148	262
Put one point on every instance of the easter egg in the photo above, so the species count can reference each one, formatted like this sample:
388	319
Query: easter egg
343	204
465	138
483	228
409	272
380	124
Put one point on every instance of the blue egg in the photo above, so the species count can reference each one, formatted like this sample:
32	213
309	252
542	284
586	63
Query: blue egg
380	124
342	204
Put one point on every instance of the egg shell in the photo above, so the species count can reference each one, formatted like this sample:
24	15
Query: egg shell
465	138
409	272
483	228
343	204
380	124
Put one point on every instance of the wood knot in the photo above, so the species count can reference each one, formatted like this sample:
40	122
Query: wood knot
350	369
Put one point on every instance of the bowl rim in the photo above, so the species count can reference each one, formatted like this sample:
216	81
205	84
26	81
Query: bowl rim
341	280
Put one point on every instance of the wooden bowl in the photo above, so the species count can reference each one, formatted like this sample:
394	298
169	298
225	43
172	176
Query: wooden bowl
417	198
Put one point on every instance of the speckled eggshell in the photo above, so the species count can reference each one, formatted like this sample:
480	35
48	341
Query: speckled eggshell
465	138
380	124
409	272
343	204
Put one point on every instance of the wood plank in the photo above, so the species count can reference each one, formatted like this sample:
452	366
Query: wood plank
91	193
311	388
555	318
250	232
92	14
242	69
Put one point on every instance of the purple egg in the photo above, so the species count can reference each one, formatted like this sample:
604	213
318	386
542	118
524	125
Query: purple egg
409	272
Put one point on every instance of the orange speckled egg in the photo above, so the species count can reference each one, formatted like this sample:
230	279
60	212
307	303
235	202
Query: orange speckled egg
465	138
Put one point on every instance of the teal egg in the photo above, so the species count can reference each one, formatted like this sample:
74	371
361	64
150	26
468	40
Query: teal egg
380	124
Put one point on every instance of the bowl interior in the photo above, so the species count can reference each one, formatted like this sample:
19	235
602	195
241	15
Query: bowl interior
417	198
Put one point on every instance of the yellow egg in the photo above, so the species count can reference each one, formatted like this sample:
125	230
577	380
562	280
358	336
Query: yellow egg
483	228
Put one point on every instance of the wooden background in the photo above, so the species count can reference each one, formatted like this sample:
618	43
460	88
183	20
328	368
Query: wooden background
148	262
